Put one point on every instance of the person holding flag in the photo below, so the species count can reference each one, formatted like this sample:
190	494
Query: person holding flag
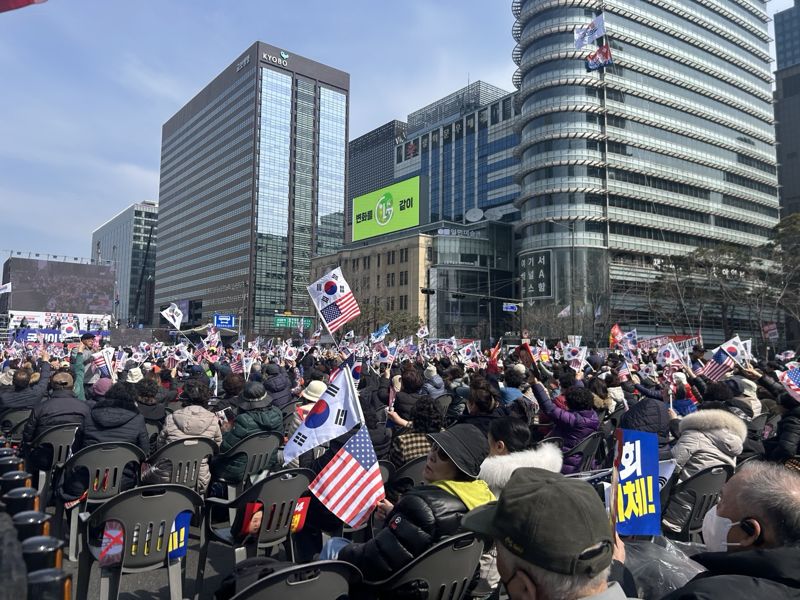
425	514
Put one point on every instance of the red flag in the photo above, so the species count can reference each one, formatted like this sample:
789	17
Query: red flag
12	4
615	335
496	350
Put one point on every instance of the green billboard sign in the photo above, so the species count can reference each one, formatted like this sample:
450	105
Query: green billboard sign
392	208
287	322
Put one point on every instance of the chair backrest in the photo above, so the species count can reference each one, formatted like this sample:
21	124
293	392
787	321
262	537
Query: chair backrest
289	411
153	427
321	580
185	457
12	421
615	417
258	449
60	438
703	488
411	470
557	441
147	515
445	570
278	493
105	463
587	448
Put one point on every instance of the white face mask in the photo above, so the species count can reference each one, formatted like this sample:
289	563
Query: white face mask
715	531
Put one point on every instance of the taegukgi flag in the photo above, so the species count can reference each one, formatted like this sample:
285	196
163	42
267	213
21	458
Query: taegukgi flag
589	33
174	315
334	300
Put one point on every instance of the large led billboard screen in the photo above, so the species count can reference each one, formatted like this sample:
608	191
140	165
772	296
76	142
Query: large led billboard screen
392	208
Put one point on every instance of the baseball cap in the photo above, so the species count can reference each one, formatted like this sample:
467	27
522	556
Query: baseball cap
87	336
554	522
63	380
465	445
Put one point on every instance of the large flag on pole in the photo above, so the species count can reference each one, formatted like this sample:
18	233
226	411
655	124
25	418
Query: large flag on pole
599	58
350	485
5	288
791	381
334	300
589	33
12	4
334	414
174	315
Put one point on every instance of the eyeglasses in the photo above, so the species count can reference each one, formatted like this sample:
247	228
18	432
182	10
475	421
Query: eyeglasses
440	454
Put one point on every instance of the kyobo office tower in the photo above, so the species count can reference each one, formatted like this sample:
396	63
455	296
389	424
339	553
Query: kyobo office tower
668	150
252	186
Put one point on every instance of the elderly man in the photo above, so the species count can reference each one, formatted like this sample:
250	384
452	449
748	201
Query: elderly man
753	538
553	537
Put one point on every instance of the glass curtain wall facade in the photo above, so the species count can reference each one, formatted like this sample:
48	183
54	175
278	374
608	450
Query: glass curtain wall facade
670	149
787	37
253	186
467	152
129	241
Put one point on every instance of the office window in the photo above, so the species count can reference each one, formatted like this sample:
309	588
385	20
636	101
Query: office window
403	302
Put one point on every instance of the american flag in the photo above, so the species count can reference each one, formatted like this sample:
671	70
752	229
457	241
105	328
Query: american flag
237	365
719	365
350	485
791	381
334	300
340	311
624	371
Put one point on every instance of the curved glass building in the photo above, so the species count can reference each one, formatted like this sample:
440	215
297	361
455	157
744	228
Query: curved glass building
668	150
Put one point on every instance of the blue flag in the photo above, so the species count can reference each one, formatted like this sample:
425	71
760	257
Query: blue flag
635	500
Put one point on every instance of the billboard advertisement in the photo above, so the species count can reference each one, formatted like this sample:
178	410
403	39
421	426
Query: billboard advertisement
392	208
49	286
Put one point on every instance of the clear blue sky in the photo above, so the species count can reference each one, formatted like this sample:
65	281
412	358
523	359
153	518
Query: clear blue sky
87	84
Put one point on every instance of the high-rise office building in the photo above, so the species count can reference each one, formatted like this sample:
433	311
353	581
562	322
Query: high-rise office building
252	186
371	164
787	37
668	150
128	241
463	145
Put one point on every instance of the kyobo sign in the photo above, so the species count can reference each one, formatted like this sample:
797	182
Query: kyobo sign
281	59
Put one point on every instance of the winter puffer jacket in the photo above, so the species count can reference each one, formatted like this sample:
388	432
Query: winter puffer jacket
30	396
648	415
279	389
497	470
248	422
60	408
434	387
109	421
571	426
423	516
788	439
192	421
708	438
404	404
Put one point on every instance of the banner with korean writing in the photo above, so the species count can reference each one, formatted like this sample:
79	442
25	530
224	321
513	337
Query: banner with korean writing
636	504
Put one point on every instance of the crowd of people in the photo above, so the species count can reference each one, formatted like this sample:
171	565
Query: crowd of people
488	429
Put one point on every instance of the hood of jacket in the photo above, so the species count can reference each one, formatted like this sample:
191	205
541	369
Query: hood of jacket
497	470
277	383
108	414
472	493
436	382
601	403
193	420
714	419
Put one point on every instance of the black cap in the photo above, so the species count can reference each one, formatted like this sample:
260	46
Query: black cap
273	369
87	336
554	522
465	445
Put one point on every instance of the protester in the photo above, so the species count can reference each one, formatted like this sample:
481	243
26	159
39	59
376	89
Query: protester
410	392
24	393
425	514
411	440
786	444
553	536
256	414
149	406
752	537
434	384
482	403
572	425
277	384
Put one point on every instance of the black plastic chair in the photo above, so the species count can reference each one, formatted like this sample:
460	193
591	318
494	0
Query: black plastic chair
411	470
741	463
147	515
153	429
105	463
257	450
321	580
445	571
278	494
615	417
12	422
185	458
703	490
289	411
587	448
59	439
557	441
